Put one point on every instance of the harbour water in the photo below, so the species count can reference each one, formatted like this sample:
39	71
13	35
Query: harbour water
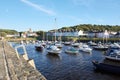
67	66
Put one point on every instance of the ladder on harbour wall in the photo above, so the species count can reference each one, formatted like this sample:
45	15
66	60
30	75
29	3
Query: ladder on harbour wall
25	56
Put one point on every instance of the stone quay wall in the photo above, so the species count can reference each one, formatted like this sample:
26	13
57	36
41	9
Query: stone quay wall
14	68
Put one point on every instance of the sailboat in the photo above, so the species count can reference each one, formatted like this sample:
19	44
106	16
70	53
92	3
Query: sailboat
59	44
53	49
39	47
43	42
75	44
102	46
85	48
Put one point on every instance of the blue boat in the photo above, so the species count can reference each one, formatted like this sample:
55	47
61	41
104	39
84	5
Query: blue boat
106	67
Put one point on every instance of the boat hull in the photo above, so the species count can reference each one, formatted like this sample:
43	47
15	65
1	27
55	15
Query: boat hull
96	48
72	52
112	58
67	43
107	67
53	52
39	48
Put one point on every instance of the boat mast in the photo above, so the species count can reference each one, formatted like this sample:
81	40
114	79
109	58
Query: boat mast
47	36
60	36
43	35
55	30
103	39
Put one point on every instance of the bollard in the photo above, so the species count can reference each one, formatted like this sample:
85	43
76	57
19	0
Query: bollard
31	62
25	56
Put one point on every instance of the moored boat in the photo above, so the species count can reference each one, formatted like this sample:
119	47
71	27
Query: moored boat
113	54
39	47
106	67
100	47
72	50
53	49
92	43
75	44
43	43
115	46
58	44
67	43
85	48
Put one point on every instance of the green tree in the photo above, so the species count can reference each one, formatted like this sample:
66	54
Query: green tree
3	34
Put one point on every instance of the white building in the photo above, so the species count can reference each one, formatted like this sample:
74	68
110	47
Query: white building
13	35
105	34
28	33
76	33
102	34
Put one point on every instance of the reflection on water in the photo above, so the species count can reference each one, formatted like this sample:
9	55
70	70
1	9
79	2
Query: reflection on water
53	57
69	67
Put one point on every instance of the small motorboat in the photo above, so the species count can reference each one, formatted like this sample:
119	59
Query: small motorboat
43	43
58	44
75	44
72	50
106	67
115	46
92	43
113	54
67	43
85	48
53	49
100	47
39	47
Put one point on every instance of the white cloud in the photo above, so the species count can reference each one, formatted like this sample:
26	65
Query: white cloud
38	7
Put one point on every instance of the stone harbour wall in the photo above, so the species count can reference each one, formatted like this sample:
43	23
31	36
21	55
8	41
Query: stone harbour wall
14	68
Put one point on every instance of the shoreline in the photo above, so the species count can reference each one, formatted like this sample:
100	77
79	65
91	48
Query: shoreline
78	39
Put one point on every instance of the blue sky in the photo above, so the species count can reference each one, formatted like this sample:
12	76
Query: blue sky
40	14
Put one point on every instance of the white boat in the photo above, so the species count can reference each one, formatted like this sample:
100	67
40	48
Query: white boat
53	49
113	54
100	47
49	42
39	47
75	44
115	46
85	48
67	43
33	42
59	45
92	43
43	43
21	42
72	50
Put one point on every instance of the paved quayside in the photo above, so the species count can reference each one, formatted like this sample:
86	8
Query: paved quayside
12	68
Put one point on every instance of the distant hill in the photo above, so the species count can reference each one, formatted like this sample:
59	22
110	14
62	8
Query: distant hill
7	31
90	27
